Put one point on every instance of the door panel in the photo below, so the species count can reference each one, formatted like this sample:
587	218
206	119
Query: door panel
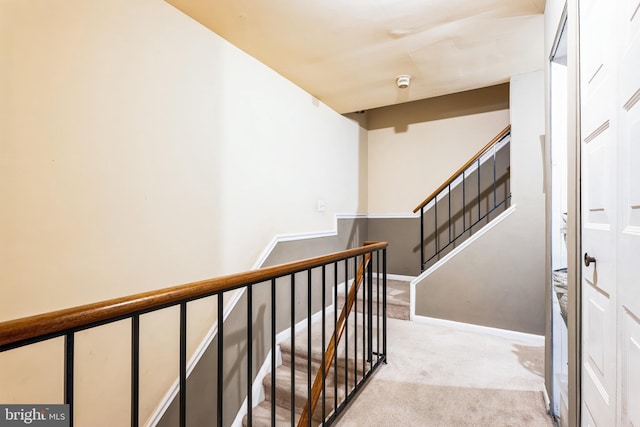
599	132
596	317
597	215
631	371
629	211
610	128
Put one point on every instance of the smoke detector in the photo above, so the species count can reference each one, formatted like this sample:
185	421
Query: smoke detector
403	81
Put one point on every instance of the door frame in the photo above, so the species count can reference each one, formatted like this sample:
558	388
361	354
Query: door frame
574	220
574	223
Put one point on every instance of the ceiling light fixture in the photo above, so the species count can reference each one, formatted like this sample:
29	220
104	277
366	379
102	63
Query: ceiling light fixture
403	81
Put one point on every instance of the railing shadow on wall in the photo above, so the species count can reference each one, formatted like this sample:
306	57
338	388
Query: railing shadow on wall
323	275
468	200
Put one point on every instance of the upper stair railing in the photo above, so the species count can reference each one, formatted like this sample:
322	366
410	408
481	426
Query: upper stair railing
315	280
461	205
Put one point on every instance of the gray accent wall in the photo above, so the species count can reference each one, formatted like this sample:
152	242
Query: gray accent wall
499	280
491	283
403	235
467	206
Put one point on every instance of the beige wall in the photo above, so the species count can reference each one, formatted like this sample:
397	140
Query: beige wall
499	280
415	147
139	150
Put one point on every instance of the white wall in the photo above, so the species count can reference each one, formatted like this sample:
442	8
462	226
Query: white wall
499	280
139	150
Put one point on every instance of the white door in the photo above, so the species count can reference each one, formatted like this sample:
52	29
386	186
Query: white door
610	132
599	218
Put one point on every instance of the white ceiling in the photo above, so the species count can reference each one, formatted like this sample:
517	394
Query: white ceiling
348	53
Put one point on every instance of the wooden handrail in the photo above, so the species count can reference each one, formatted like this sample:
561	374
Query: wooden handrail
316	388
13	331
497	138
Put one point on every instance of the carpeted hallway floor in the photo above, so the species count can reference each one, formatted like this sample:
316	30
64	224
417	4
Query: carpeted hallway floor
440	376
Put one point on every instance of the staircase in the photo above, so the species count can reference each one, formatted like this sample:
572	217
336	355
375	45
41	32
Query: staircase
397	299
337	383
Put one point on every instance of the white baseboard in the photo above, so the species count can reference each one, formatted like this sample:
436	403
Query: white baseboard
403	215
547	401
530	339
400	277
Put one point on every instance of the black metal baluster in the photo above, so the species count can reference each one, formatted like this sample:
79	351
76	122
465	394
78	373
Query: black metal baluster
378	304
135	370
273	352
249	355
479	214
309	345
384	303
422	238
464	203
323	363
449	212
435	214
183	364
370	312
355	321
365	312
346	327
335	336
69	350
220	384
293	350
494	177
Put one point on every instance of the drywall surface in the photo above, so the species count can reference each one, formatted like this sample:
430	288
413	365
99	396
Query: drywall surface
403	235
499	280
142	150
415	147
139	150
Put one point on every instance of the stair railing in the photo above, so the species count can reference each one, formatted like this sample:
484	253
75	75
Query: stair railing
329	353
333	268
475	194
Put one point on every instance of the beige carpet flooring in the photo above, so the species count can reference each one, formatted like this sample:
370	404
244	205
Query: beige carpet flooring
439	376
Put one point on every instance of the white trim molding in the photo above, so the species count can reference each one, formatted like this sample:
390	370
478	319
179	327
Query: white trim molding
394	215
290	237
530	339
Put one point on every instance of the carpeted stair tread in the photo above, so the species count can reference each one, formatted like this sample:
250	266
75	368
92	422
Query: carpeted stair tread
283	391
261	416
397	306
316	346
398	295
